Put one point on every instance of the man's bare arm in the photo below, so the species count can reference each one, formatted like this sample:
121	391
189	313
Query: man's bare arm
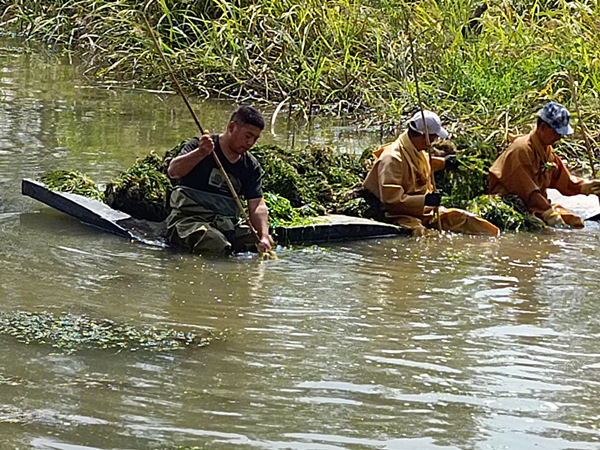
181	165
259	217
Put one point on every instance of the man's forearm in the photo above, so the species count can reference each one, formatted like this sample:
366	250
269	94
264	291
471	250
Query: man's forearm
182	165
259	217
537	202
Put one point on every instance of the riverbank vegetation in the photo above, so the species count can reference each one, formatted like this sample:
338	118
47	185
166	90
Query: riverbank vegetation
485	67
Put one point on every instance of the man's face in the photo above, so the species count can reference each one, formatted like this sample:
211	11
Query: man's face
420	142
548	136
243	137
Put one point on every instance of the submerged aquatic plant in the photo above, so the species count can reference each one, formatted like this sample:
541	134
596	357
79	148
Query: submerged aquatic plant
71	332
72	181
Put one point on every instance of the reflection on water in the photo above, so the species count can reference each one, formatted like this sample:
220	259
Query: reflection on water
452	342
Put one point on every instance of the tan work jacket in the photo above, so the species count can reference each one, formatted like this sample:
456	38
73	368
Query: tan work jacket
401	177
528	166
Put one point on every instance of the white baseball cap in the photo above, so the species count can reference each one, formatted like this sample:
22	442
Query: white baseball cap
434	124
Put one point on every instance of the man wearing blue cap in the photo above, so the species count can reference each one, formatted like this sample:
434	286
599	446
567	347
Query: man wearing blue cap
529	167
402	180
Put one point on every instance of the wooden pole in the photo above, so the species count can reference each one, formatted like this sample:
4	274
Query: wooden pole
582	126
436	210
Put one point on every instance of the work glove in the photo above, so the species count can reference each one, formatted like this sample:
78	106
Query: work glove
433	199
590	187
451	162
553	219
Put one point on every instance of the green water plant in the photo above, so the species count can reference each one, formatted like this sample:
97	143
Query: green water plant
283	214
69	333
141	190
72	181
507	213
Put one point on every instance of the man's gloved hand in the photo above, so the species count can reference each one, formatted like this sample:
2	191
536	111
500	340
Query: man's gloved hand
451	162
590	187
553	219
433	199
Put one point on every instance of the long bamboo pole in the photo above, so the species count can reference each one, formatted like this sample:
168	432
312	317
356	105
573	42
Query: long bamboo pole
191	110
582	126
436	210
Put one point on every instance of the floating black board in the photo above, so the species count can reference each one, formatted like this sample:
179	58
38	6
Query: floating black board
330	228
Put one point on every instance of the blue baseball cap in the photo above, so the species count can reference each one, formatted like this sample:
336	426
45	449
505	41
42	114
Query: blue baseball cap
557	116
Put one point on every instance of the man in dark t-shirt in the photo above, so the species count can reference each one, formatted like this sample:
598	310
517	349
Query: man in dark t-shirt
205	215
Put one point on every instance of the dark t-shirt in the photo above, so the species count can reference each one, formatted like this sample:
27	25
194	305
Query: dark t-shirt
245	174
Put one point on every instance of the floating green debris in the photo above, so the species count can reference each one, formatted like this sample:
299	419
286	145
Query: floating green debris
72	181
70	333
141	190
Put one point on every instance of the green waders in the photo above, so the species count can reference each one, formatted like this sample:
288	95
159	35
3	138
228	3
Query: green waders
206	223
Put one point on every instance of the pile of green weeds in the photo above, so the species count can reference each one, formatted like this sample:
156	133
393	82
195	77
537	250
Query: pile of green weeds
72	181
141	190
507	213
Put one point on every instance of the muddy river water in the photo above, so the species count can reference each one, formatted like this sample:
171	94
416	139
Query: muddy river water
453	342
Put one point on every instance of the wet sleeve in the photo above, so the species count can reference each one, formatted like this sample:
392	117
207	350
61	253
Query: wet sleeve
515	172
394	183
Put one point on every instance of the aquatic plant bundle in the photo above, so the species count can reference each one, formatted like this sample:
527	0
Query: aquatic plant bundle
507	213
315	180
72	181
282	213
71	332
141	190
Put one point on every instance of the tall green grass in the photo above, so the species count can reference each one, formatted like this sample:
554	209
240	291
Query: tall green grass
350	55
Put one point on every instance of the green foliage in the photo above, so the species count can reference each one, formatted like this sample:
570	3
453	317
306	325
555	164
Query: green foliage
283	214
474	156
315	177
141	190
490	72
71	333
507	213
72	181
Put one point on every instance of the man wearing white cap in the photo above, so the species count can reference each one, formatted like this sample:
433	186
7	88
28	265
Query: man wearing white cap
529	166
402	180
